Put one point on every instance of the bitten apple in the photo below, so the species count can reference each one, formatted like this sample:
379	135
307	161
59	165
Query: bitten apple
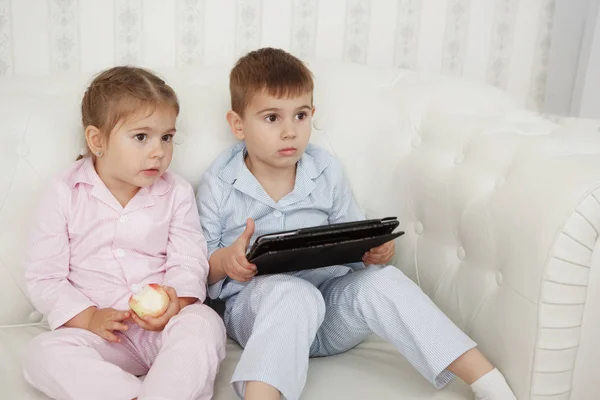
151	301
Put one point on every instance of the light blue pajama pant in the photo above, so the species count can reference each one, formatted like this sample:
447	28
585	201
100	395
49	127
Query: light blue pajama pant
282	320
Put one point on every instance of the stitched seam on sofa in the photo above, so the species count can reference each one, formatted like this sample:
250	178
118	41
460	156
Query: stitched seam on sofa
16	326
577	240
587	194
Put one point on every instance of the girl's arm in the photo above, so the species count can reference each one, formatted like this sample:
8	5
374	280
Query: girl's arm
47	261
187	263
82	320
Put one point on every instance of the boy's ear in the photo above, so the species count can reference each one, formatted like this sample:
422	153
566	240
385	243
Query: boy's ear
236	125
314	109
94	139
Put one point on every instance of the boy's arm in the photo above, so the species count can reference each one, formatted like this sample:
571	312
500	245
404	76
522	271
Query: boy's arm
224	261
344	207
47	263
216	272
231	261
186	264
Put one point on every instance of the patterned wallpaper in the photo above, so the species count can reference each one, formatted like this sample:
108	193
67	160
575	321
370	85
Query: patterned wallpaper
503	42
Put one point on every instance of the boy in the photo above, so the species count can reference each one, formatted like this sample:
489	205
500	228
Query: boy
273	181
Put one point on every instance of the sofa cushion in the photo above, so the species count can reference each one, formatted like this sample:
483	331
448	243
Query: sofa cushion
373	370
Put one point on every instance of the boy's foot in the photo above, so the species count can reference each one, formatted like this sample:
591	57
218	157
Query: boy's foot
492	386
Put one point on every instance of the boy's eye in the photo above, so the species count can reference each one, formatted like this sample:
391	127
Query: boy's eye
301	115
168	138
141	137
271	118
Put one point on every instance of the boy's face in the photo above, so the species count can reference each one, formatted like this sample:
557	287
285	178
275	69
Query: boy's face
276	131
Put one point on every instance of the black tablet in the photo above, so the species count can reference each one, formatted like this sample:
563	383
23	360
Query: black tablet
320	246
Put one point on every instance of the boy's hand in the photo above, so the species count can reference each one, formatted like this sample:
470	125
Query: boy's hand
105	321
380	255
159	323
234	261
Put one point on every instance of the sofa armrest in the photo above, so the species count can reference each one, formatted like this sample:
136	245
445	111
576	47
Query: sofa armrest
504	220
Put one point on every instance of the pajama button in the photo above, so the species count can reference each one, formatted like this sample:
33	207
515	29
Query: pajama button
277	213
135	288
120	253
124	218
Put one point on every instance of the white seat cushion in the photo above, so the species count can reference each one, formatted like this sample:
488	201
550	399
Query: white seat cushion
373	370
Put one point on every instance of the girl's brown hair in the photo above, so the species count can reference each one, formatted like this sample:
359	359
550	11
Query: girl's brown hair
120	91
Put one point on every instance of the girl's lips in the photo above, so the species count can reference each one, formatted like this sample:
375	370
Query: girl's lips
151	172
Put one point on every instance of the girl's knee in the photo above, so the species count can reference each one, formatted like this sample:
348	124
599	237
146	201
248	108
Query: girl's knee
201	319
40	351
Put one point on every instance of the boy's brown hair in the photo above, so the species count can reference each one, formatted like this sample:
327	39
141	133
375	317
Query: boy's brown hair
274	70
118	92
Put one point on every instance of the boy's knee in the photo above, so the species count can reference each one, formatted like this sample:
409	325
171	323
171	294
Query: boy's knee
387	280
295	294
370	277
376	277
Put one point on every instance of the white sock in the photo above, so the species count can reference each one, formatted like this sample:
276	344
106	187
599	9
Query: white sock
492	386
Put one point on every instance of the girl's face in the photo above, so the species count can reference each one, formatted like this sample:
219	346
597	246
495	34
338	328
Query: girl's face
138	150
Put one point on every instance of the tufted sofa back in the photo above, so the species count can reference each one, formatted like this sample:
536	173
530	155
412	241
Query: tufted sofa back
457	162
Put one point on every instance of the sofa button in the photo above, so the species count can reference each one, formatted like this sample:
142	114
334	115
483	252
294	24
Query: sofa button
459	158
500	182
460	253
23	149
416	142
35	316
499	278
418	228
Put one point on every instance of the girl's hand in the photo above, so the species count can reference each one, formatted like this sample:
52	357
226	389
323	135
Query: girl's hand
159	323
105	321
380	255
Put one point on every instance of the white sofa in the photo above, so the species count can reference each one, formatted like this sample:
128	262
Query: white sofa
501	210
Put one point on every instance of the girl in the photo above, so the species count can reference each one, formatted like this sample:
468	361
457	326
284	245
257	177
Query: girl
115	221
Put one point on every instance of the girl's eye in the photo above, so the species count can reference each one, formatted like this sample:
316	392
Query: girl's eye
301	115
168	138
141	137
271	118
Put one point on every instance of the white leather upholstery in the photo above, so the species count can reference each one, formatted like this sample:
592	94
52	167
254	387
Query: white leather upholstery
501	210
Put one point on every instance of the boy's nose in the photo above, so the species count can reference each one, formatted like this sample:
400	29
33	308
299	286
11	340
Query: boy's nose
288	133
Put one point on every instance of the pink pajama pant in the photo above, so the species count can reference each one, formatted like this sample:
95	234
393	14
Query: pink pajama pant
181	362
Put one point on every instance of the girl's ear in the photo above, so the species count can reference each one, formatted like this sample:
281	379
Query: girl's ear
95	140
236	124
